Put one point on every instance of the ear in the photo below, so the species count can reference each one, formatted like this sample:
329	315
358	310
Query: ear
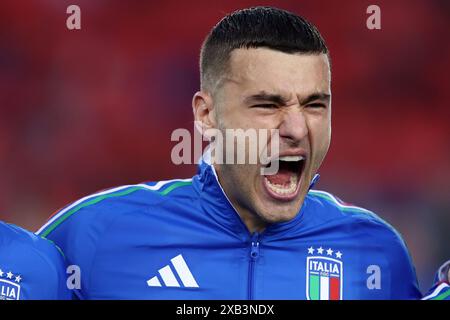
204	112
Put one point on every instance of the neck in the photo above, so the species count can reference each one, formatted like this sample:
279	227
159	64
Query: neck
251	220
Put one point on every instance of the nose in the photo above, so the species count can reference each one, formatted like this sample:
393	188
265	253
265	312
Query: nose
293	128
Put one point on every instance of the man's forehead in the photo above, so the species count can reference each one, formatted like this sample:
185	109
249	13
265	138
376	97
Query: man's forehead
271	70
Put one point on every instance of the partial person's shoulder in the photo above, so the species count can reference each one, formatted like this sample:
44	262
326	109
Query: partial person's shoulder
332	208
103	207
13	237
30	267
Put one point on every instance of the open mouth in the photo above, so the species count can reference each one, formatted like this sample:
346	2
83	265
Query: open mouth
285	184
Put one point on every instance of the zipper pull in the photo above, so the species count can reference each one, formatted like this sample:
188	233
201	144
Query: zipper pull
254	252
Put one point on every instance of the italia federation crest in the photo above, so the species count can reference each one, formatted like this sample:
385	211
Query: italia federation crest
9	285
324	274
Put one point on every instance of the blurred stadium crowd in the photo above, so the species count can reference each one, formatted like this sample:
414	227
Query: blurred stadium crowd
90	109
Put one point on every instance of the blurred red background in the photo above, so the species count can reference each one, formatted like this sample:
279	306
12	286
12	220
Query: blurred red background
94	108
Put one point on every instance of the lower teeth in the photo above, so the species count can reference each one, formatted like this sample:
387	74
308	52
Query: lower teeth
283	189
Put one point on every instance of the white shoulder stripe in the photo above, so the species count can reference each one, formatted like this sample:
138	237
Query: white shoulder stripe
156	187
336	201
436	291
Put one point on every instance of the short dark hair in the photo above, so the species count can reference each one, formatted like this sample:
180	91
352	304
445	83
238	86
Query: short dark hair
256	27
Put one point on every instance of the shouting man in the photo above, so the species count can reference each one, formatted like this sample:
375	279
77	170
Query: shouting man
232	232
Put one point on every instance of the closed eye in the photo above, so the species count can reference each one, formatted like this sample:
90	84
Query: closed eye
265	106
316	105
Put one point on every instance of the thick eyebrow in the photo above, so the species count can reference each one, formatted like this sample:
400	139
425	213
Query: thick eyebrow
316	96
267	97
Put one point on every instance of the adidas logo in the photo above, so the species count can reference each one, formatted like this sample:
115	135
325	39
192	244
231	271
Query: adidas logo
168	277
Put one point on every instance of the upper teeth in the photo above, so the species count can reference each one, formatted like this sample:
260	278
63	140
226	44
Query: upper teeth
291	158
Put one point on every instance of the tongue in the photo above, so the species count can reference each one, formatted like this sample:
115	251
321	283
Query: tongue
282	177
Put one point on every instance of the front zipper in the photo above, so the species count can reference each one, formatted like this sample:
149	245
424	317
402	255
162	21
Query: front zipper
254	254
